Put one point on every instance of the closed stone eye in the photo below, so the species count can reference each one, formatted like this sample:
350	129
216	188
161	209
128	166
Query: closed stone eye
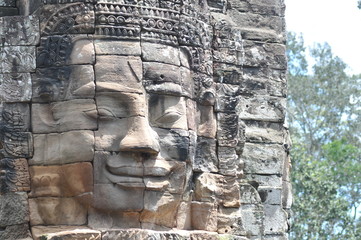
105	114
170	116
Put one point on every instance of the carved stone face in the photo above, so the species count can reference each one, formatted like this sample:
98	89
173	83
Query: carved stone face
146	114
124	122
142	140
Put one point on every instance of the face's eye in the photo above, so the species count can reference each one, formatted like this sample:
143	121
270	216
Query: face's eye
92	114
170	116
105	114
166	111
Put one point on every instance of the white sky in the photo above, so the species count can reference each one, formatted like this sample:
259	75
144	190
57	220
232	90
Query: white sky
337	22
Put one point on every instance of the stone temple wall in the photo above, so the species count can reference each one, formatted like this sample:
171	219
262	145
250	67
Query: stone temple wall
154	119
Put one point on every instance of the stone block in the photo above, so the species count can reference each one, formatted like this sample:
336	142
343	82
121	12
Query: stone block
212	188
140	234
8	11
14	209
287	198
15	175
15	87
77	114
274	75
226	98
117	47
247	20
208	187
158	73
249	194
228	74
19	30
263	158
231	193
261	86
262	7
120	105
61	181
65	50
191	108
58	211
110	134
17	59
205	159
184	216
17	145
63	83
125	71
152	52
162	78
195	31
68	147
265	180
73	18
115	197
275	220
20	231
170	138
253	219
160	208
262	108
204	216
256	34
162	175
264	132
229	163
101	219
227	43
227	129
188	86
271	196
229	221
123	164
15	117
64	233
207	122
287	164
269	54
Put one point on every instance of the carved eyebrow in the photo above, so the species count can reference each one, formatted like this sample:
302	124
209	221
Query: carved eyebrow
115	87
165	88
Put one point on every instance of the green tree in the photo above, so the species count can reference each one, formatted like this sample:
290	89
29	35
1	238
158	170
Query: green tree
324	118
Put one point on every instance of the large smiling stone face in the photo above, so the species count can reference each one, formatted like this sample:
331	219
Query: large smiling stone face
134	117
142	141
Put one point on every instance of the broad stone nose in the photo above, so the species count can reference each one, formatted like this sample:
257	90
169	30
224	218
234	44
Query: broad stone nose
140	137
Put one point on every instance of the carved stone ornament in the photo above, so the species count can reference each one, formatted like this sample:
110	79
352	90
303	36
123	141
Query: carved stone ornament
143	119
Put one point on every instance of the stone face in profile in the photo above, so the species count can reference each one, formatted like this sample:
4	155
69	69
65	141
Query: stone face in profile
154	115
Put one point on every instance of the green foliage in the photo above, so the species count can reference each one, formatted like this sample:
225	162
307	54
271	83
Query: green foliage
324	118
359	4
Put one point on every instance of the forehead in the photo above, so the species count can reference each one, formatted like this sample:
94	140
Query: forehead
126	64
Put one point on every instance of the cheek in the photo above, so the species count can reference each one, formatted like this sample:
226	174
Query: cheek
110	133
174	144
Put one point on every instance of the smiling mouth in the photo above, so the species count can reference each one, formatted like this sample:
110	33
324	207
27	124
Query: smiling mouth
149	176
